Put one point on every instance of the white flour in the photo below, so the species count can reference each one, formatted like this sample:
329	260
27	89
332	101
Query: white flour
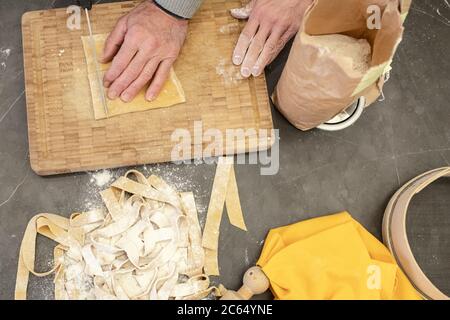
357	51
79	274
44	290
4	55
230	28
230	73
241	13
102	178
247	259
98	181
180	177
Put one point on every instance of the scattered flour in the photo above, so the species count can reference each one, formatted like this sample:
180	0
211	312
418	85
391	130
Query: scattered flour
98	181
78	273
230	28
78	283
44	290
247	259
4	55
102	178
180	177
61	52
230	73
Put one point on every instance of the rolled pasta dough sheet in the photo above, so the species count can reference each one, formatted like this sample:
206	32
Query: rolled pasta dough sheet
171	94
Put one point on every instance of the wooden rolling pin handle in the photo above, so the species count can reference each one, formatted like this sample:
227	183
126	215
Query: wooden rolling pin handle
255	282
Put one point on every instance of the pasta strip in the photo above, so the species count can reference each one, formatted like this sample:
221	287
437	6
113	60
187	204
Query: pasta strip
27	252
225	191
233	204
147	245
215	209
196	255
136	188
111	203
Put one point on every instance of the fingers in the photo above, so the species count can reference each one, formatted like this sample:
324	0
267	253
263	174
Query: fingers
119	64
132	71
244	12
284	39
159	80
244	41
114	41
145	77
256	46
272	48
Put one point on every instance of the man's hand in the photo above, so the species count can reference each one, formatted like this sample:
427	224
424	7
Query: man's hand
271	24
143	47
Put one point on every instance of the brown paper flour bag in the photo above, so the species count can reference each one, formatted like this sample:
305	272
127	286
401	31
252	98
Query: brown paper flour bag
326	70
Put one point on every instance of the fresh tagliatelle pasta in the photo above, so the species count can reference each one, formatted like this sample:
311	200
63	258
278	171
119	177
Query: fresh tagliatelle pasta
224	192
146	244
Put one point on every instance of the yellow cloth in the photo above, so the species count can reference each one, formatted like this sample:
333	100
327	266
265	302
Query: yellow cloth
331	257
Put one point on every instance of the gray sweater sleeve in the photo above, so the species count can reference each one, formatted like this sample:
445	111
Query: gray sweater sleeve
182	8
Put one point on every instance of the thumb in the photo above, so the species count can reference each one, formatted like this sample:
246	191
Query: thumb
244	12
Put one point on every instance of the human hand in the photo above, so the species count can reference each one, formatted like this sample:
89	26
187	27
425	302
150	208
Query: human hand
271	24
143	47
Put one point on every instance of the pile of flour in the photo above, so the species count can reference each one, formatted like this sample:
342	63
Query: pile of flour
358	51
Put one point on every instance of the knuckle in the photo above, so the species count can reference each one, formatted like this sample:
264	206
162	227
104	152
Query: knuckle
127	78
157	85
171	60
282	41
121	23
172	52
158	82
136	29
118	65
147	74
132	72
151	43
258	45
248	32
293	29
121	84
283	25
133	90
131	42
123	19
285	38
271	19
109	77
272	47
256	13
117	68
245	36
135	67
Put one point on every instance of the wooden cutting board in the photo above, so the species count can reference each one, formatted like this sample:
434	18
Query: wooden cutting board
63	135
